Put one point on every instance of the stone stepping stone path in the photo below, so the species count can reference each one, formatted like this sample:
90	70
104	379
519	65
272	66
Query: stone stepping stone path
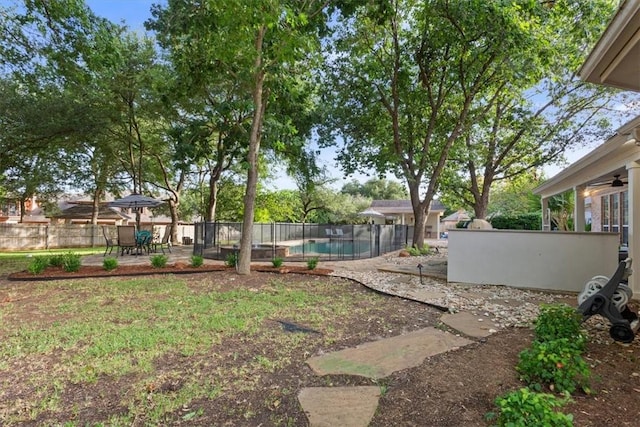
355	406
470	324
378	359
339	406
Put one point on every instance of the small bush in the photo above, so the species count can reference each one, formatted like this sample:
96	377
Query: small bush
56	260
197	261
556	363
526	408
277	262
560	321
231	260
415	251
312	263
159	261
110	264
71	262
38	264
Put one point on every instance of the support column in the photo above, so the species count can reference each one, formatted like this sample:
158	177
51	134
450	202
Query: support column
634	226
546	217
578	208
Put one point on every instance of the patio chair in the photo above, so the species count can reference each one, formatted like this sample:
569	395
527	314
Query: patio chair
126	239
166	240
143	241
108	240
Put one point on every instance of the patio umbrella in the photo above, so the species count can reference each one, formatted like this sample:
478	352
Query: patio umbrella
371	213
135	202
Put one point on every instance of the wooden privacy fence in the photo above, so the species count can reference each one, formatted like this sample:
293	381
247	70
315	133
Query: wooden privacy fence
16	237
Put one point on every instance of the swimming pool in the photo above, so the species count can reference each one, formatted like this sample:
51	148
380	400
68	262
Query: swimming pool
334	247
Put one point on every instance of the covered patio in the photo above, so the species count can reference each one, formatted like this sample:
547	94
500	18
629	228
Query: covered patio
606	182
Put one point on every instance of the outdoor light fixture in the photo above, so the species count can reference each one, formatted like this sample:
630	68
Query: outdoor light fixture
420	270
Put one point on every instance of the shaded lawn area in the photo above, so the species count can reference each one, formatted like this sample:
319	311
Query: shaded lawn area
166	349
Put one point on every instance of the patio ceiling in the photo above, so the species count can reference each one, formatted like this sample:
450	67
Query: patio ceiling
599	165
615	60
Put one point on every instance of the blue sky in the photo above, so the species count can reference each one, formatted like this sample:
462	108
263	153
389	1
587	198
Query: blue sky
132	12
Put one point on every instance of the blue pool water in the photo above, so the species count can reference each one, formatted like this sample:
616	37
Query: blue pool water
336	247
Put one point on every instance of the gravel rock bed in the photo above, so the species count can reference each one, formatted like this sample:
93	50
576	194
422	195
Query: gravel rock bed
503	305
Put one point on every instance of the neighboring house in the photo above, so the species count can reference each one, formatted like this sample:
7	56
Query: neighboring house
607	180
452	220
10	211
401	212
82	212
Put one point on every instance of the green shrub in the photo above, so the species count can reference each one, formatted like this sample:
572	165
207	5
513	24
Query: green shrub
415	251
71	262
38	264
231	260
557	364
560	321
312	263
517	222
56	260
524	408
277	262
159	261
197	261
110	264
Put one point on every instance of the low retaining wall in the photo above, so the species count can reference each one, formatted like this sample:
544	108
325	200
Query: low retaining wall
562	261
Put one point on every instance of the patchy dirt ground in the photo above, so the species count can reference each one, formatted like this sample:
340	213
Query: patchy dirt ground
452	389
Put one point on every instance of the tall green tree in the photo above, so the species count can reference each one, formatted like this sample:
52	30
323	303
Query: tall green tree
376	189
531	121
51	108
254	46
408	80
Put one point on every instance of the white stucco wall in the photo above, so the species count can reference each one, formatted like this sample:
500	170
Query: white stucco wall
562	261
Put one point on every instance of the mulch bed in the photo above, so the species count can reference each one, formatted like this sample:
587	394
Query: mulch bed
57	273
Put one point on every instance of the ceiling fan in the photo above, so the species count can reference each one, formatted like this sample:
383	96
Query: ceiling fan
616	182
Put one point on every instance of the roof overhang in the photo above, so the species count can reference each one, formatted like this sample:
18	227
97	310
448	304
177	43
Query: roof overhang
615	60
601	164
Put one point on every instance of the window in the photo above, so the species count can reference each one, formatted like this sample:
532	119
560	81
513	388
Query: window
615	214
624	201
605	213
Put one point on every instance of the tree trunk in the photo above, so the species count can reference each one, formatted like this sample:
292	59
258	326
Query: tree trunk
173	209
259	105
22	209
481	204
95	211
213	199
420	213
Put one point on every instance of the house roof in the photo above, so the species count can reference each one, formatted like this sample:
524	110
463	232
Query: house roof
601	164
614	59
457	216
84	211
401	206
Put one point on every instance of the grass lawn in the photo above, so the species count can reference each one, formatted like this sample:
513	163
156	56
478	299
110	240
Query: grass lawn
164	349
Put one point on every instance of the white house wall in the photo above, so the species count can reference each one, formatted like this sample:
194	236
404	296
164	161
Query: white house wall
561	261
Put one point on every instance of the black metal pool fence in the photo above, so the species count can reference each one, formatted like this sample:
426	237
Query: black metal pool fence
216	240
